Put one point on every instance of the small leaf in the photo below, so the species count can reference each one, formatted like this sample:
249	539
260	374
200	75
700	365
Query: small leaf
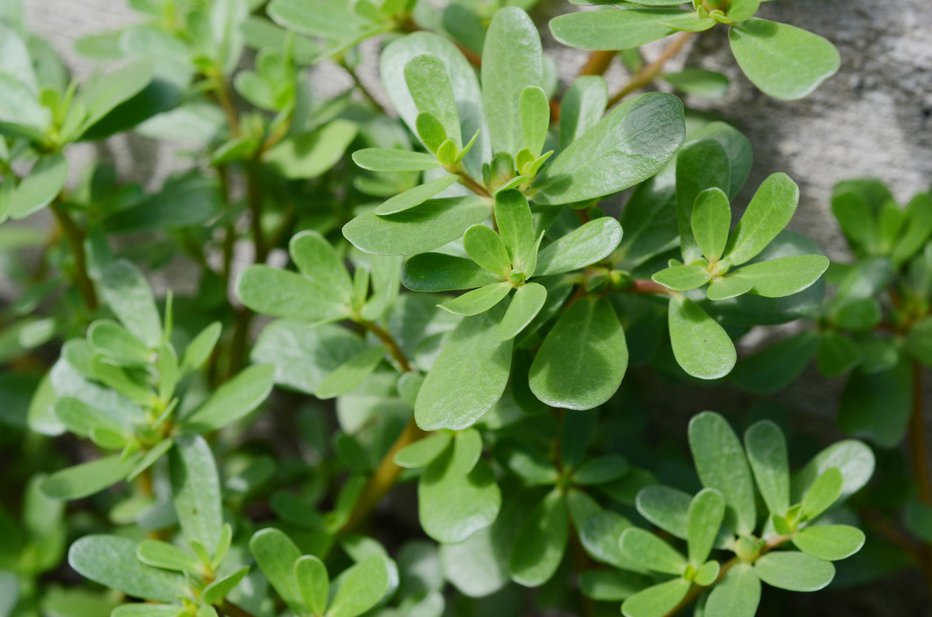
166	556
583	359
665	507
784	276
416	196
767	214
535	118
824	492
726	287
88	478
111	561
129	296
711	222
852	458
485	247
704	519
525	305
736	595
601	470
538	550
699	82
351	374
766	451
318	261
196	491
794	571
313	582
429	85
394	159
215	592
276	555
612	29
584	246
360	588
830	542
700	345
478	300
644	548
422	452
682	278
200	348
40	187
656	601
516	227
310	154
233	400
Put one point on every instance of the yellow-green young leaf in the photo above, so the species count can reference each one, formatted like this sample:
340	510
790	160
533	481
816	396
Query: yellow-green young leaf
612	29
433	135
630	144
728	287
167	556
666	508
740	10
784	276
516	228
535	118
656	601
88	478
233	400
736	595
281	293
701	346
416	196
648	550
313	583
429	85
538	549
351	374
422	452
199	349
824	492
512	59
276	555
700	166
784	61
770	210
442	272
129	296
196	491
524	307
699	82
711	222
583	246
40	187
705	516
360	587
794	571
583	359
766	451
436	223
457	494
467	378
854	459
111	561
830	542
707	573
485	247
721	464
682	278
394	159
582	107
478	300
308	155
215	592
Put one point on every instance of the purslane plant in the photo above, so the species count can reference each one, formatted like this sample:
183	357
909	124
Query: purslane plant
468	294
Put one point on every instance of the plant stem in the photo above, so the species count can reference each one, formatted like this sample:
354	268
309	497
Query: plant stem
254	201
647	287
390	343
472	185
648	73
75	238
597	63
919	457
366	93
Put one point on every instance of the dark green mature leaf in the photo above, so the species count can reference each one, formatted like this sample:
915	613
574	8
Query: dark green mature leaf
441	272
711	222
611	29
582	247
766	452
276	555
630	144
129	296
468	377
876	404
736	595
784	276
425	228
784	61
583	359
111	561
88	478
360	588
700	345
196	491
794	571
512	59
721	464
830	542
705	516
767	214
538	550
233	400
656	601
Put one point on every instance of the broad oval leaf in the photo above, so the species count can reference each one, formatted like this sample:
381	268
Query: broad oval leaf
648	550
111	561
526	303
665	507
656	601
280	293
700	345
784	276
682	277
313	583
360	588
830	542
318	261
276	555
584	246
129	296
538	550
736	595
478	300
233	400
794	571
485	247
767	214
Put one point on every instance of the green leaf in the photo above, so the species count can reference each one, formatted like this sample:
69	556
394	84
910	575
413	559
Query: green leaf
706	512
467	378
129	296
837	353
629	145
422	452
360	587
512	59
794	571
736	595
854	459
313	583
682	278
700	166
88	478
216	591
727	287
583	359
416	196
784	276
428	227
37	190
478	300
538	550
918	228
784	61
876	404
276	555
776	366
644	548
111	561
666	508
824	492
535	118
394	159
200	348
351	374
103	93
656	601
516	228
485	247
582	107
456	496
740	10
711	222
584	246
441	272
117	344
767	214
233	400
280	293
612	29
766	452
721	464
699	82
166	556
830	542
429	85
525	305
196	491
700	345
310	154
